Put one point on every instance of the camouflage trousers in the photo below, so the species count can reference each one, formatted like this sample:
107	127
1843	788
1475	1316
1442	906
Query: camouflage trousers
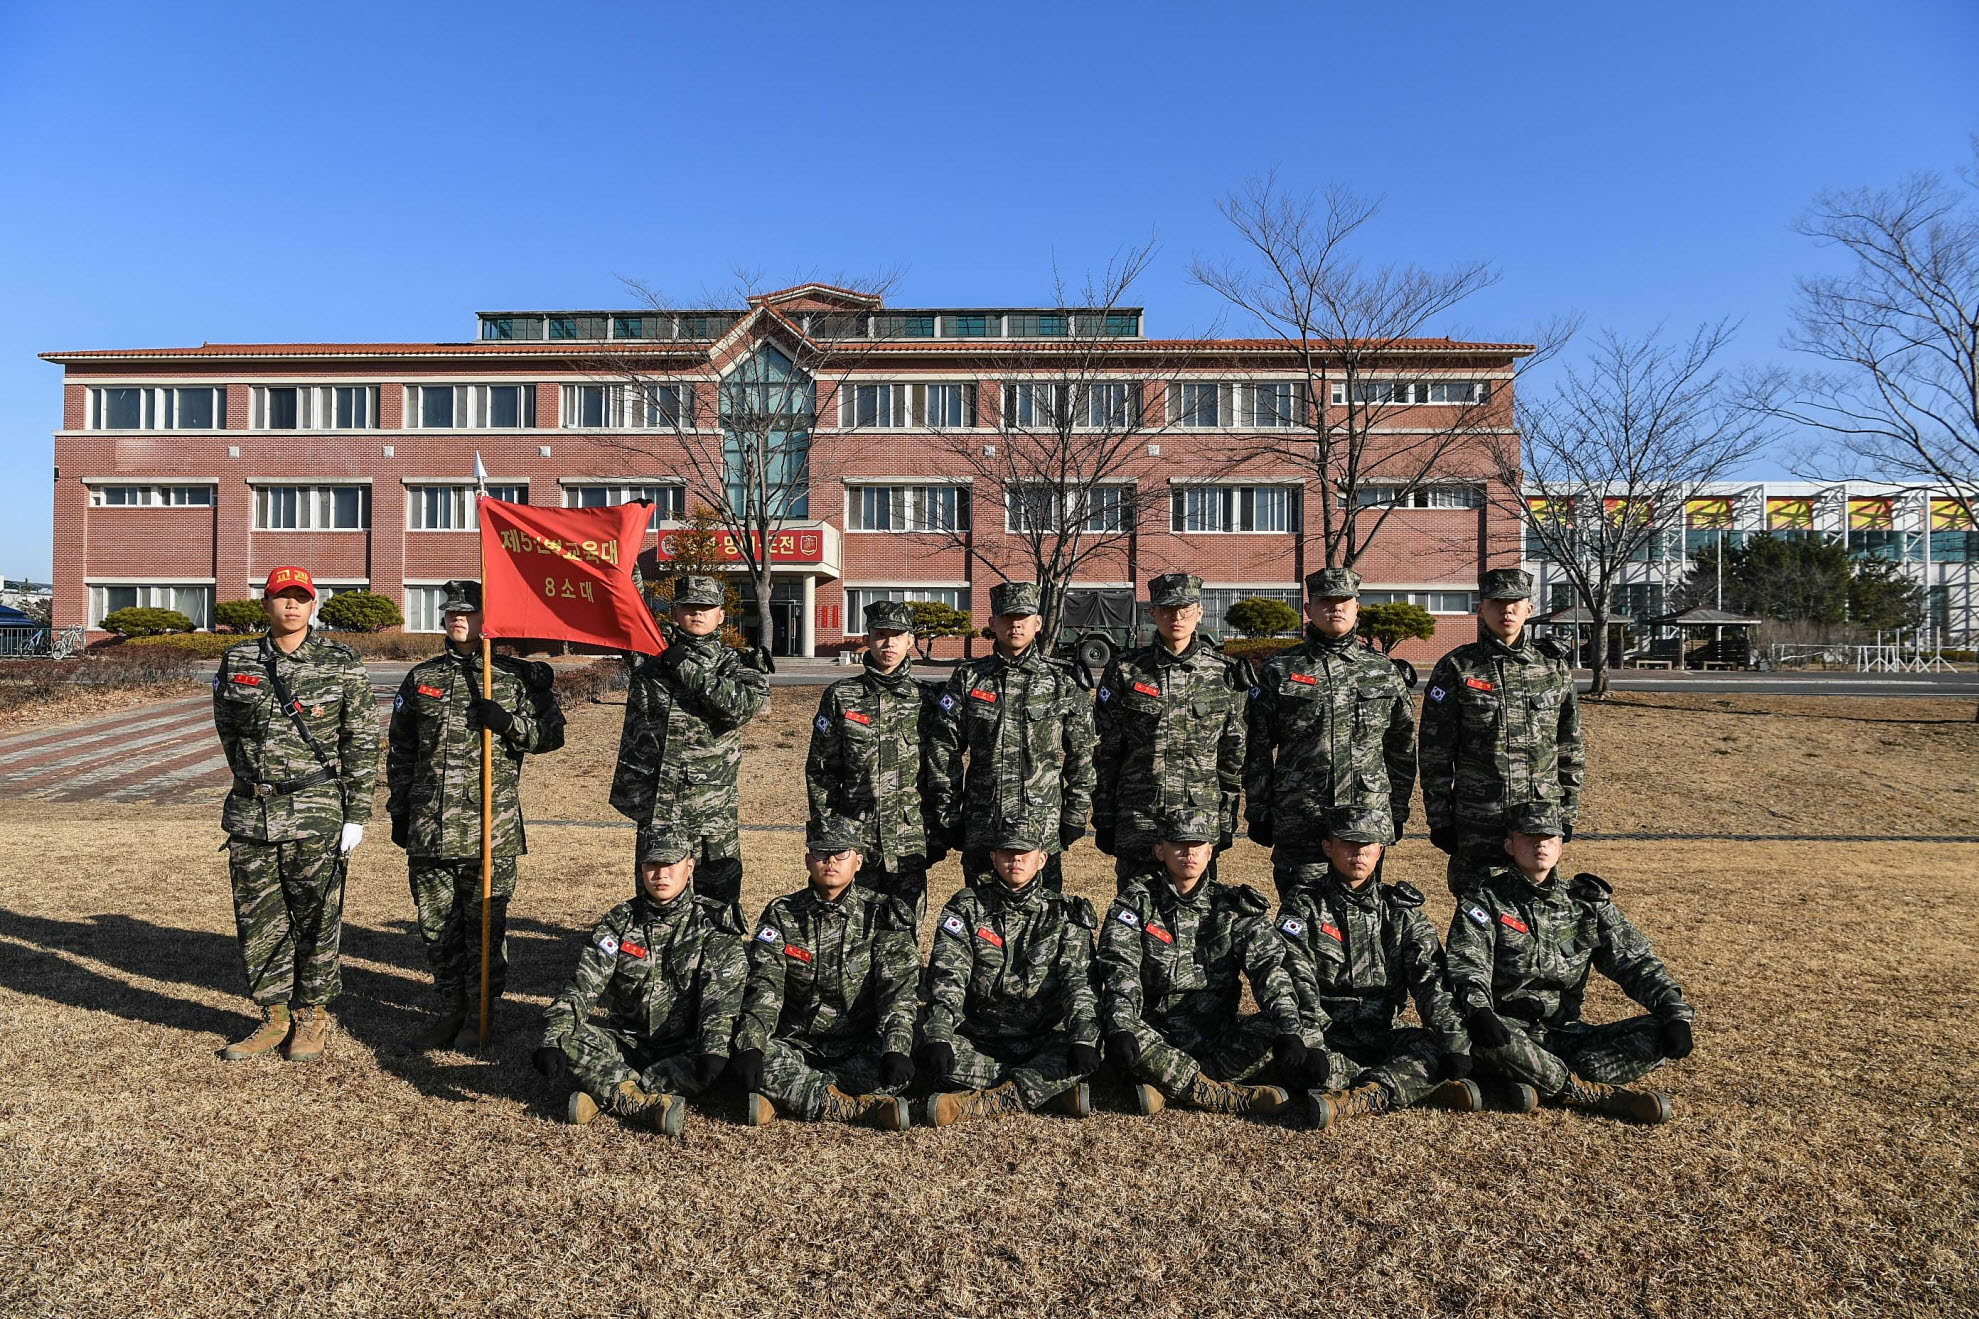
796	1073
1616	1052
909	883
448	896
1038	1066
602	1056
977	871
1172	1058
1404	1059
289	909
1479	848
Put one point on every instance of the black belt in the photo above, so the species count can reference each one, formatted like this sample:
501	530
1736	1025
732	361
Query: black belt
243	788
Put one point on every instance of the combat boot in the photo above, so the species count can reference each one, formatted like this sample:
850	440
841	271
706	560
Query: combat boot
312	1034
441	1034
957	1105
1075	1102
630	1103
1649	1107
667	1115
1456	1096
274	1028
761	1112
1147	1100
580	1110
1223	1097
1509	1096
888	1112
1369	1100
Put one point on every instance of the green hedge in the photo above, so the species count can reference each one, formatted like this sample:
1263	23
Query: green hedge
240	616
143	622
1257	650
360	611
208	644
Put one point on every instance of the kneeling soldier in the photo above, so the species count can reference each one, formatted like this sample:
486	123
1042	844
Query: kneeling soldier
1171	956
668	968
1521	944
828	1017
1012	1018
1358	949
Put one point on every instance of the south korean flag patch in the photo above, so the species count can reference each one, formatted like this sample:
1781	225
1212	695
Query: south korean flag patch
1437	694
1477	916
947	701
770	934
823	724
1105	695
608	945
956	926
1293	927
1126	916
398	702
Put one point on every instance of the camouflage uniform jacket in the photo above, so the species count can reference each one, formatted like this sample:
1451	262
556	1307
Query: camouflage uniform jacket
682	742
1174	963
1332	727
1356	954
328	682
840	972
1013	966
1524	949
1027	730
1171	736
866	761
433	753
1500	728
670	974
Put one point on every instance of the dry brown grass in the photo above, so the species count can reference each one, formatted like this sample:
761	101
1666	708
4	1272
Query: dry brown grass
1823	1161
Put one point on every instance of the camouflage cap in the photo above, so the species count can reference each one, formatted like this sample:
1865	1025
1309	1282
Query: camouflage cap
1014	598
1543	819
1505	584
889	616
1018	835
698	590
833	833
1350	826
1175	588
1333	584
463	597
1180	826
664	848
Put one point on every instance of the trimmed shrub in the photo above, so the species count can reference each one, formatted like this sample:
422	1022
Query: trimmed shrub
145	622
1260	616
360	611
240	616
1389	625
1257	649
207	645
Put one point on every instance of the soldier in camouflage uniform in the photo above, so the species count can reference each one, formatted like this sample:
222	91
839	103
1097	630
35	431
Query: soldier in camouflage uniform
1012	1021
682	739
827	1022
433	776
1012	740
1172	952
1332	734
1359	949
668	968
1500	732
299	725
866	762
1171	732
1521	944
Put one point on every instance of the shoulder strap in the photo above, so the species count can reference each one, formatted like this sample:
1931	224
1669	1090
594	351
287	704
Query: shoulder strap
293	709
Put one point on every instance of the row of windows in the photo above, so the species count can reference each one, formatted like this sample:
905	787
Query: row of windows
645	326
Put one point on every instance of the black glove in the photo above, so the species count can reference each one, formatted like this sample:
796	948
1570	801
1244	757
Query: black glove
1676	1041
1224	839
896	1070
1082	1059
955	836
484	712
1488	1028
1103	839
707	1066
400	826
938	1056
1444	839
1260	832
1457	1067
1069	833
551	1062
1290	1051
746	1066
1123	1046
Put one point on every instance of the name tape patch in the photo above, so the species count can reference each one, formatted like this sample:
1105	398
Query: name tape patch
1147	689
1160	933
1513	922
424	690
853	716
989	936
1479	684
248	679
1305	678
791	950
631	949
1331	931
982	695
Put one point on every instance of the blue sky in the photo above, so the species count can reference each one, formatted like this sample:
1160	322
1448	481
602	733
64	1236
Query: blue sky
241	172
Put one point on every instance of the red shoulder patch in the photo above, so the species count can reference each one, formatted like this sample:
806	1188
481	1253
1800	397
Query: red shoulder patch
1158	932
1305	678
1147	689
1479	684
1514	922
855	717
792	950
248	679
989	936
631	949
424	690
982	695
1331	931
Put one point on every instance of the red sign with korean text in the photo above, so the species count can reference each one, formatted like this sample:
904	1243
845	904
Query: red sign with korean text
802	546
565	574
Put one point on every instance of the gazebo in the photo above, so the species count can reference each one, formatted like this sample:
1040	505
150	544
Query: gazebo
1578	618
1717	620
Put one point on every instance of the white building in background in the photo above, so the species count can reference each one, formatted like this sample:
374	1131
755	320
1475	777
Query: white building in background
1873	519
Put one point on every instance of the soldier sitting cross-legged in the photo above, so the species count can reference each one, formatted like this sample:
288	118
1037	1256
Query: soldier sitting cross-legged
668	968
1012	1020
828	1017
1172	955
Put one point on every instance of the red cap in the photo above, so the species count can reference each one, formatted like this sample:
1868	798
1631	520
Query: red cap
283	578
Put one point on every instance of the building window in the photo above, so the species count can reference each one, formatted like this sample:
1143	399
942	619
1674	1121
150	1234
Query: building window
1038	325
669	501
1112	405
1424	496
312	407
1418	391
1030	403
151	496
1200	404
512	327
897	326
1274	404
1436	602
590	406
939	407
433	407
503	407
876	405
706	325
1112	324
1100	509
907	508
312	508
669	407
195	602
837	325
971	326
577	327
120	408
858	597
352	407
422	608
1217	602
1194	508
452	507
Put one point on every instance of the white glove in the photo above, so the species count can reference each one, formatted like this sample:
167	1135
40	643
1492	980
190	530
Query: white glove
352	835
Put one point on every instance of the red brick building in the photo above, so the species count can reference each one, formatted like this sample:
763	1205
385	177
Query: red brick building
184	474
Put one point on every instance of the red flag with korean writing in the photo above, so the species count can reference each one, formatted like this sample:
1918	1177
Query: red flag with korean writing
565	574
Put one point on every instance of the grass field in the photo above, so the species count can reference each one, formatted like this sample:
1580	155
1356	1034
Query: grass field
1823	1160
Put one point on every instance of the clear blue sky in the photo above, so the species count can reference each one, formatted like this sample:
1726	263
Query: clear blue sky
241	172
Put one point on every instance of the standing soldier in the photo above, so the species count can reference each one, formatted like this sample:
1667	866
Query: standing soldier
682	740
433	773
1332	734
299	725
866	763
1500	732
1171	732
1026	731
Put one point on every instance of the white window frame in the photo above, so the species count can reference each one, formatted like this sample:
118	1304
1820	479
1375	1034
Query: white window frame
906	406
1420	595
152	496
1032	404
422	606
1291	417
158	407
1222	391
908	507
1413	393
1061	512
150	595
316	407
463	512
1231	497
858	597
414	415
671	511
315	506
1111	405
1447	496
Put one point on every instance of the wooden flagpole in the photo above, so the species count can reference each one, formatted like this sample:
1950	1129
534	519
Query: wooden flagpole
487	789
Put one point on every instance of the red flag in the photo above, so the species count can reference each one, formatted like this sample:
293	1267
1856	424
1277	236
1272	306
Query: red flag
565	574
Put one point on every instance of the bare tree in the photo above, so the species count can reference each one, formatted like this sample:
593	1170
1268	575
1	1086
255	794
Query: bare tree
1377	410
1899	331
1612	454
